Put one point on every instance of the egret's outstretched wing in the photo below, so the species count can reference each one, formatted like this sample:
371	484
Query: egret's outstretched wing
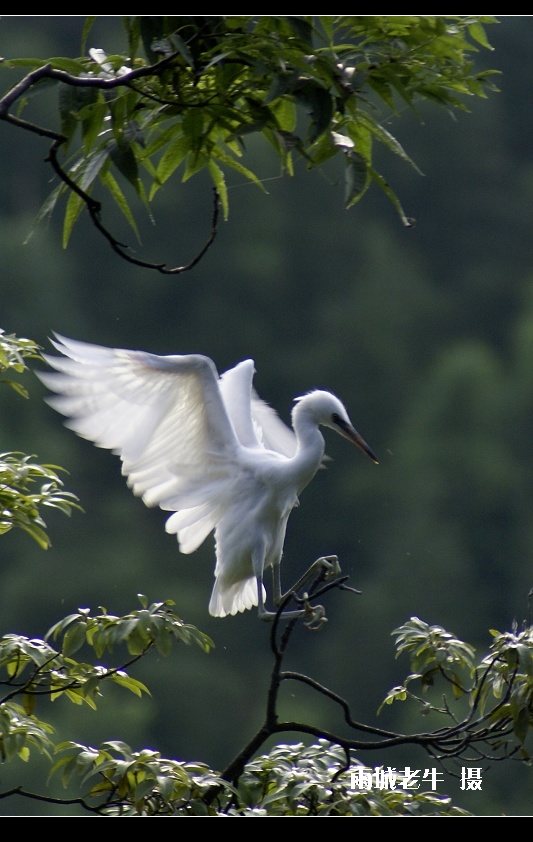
236	390
255	422
164	417
275	434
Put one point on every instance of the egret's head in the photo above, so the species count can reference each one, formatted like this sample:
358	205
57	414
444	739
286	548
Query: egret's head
326	410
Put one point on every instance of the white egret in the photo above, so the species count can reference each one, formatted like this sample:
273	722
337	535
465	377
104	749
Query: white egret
205	448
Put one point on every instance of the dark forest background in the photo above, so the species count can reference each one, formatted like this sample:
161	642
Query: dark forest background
425	333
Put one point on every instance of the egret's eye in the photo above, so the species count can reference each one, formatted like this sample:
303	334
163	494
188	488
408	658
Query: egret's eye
336	418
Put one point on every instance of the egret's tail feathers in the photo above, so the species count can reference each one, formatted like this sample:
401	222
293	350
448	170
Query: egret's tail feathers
234	598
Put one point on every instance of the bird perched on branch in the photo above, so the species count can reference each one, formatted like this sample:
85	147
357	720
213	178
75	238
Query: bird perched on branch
204	447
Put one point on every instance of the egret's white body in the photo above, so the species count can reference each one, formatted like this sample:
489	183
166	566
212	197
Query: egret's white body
204	447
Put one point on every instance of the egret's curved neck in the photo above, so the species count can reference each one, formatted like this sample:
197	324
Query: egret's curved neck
310	448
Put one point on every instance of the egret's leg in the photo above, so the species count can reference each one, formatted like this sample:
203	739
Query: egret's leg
315	614
328	563
264	613
276	583
258	563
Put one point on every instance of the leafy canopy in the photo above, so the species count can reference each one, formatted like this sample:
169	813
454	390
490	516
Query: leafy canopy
486	715
186	94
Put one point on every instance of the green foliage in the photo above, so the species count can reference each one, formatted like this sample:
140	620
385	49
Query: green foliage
13	353
298	780
507	674
434	651
117	781
33	669
153	625
21	503
25	486
498	690
20	731
291	780
187	92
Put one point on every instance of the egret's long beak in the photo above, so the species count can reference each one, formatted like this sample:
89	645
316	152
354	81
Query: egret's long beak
352	435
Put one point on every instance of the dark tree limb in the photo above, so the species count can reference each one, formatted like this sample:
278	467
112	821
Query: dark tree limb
93	206
481	735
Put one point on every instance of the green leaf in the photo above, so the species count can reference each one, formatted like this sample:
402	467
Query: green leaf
356	179
46	210
77	106
397	694
195	162
285	113
28	703
24	754
69	65
387	139
220	185
119	198
521	723
93	166
75	205
17	387
74	638
226	159
380	181
170	160
38	534
93	123
302	29
319	103
87	26
131	684
477	33
125	161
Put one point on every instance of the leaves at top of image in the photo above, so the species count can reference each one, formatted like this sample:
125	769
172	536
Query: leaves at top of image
187	92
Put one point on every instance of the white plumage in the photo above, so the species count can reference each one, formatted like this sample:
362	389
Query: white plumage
203	447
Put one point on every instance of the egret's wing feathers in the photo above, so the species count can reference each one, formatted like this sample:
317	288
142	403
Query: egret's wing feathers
275	435
163	416
255	422
236	390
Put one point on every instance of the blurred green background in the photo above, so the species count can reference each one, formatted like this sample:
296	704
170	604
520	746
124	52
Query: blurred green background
425	333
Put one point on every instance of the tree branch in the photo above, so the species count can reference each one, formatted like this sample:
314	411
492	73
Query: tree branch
472	733
94	207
